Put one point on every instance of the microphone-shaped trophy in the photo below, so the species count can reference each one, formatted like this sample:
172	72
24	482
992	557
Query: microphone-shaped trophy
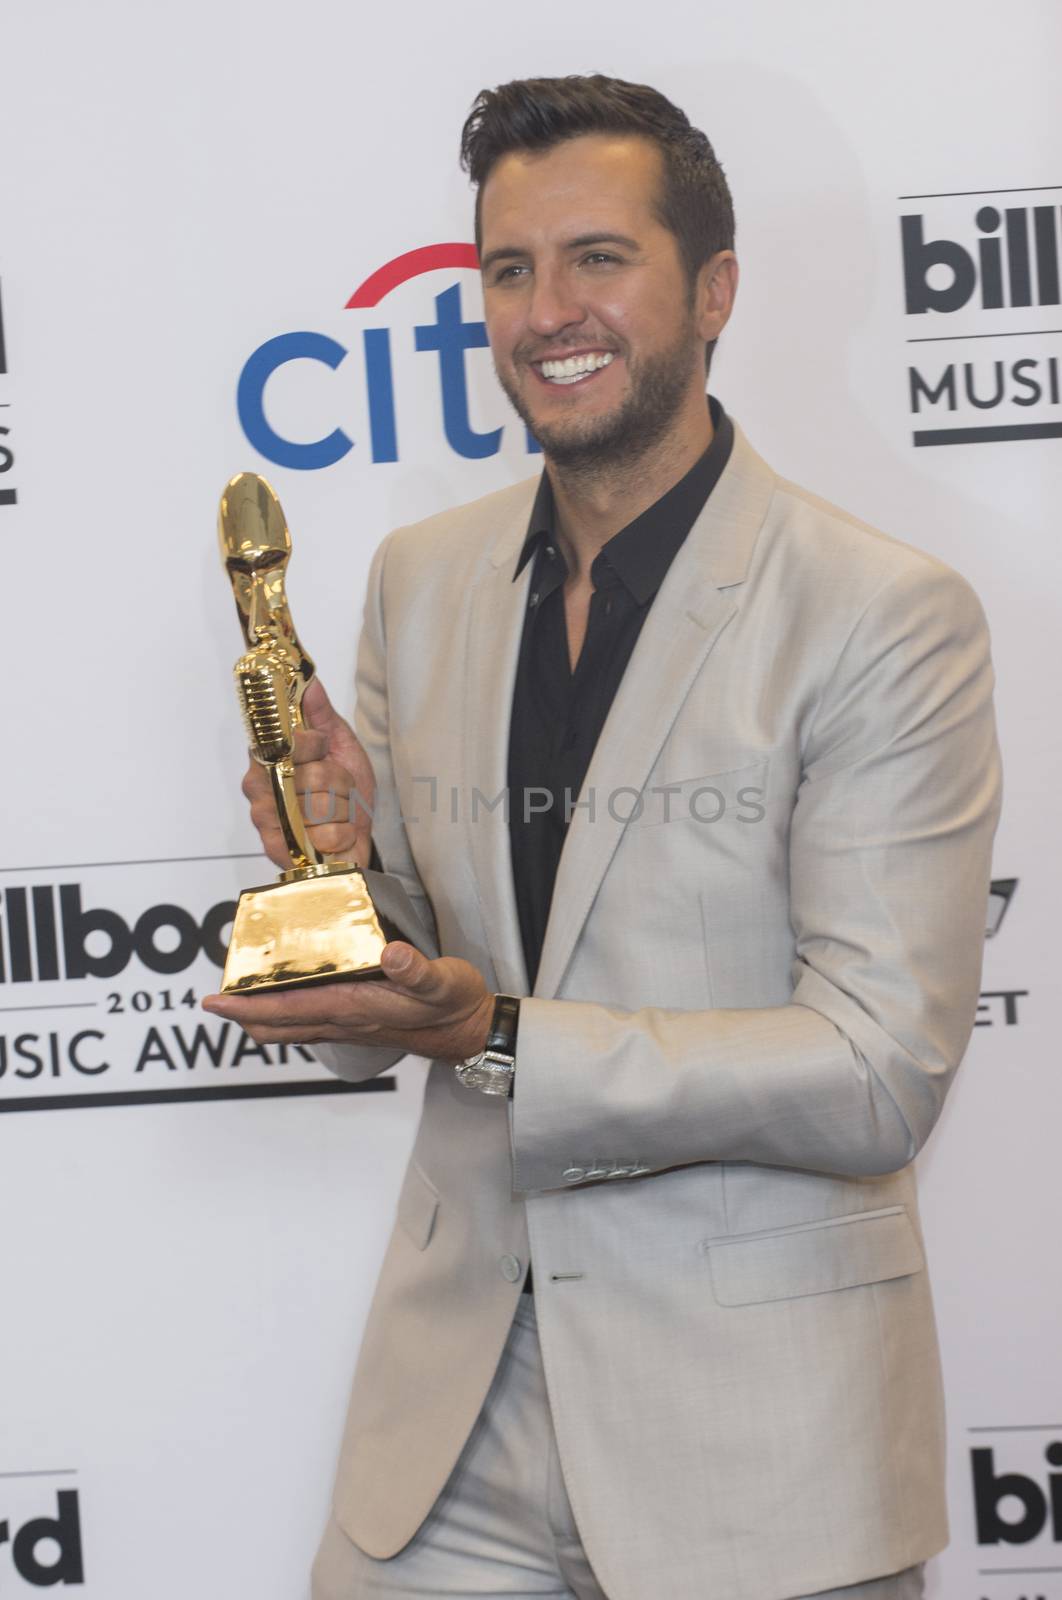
318	923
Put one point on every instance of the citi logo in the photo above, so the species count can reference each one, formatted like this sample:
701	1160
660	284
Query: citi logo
46	935
444	343
1009	258
1033	1505
33	1545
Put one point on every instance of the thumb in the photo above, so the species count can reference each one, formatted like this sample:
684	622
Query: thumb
406	967
321	715
317	710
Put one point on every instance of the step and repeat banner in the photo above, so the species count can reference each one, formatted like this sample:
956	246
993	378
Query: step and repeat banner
235	237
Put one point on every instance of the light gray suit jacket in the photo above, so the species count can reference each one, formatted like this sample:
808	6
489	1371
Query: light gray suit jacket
759	976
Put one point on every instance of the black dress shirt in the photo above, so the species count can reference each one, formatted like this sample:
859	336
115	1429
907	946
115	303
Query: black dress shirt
558	714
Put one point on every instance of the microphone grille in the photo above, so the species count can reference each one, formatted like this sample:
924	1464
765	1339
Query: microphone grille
261	688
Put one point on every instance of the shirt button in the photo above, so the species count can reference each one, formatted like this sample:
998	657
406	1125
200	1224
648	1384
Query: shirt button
511	1270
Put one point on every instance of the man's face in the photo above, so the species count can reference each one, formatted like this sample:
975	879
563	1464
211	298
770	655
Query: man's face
592	322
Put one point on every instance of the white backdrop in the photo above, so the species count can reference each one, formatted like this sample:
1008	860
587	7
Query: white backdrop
192	1229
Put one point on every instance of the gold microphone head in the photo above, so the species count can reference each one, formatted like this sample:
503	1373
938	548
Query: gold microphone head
255	548
261	687
251	525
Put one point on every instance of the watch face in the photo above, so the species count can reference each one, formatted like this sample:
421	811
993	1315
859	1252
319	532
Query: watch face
491	1077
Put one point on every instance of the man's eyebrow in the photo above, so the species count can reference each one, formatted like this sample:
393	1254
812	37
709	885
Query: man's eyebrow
505	252
584	241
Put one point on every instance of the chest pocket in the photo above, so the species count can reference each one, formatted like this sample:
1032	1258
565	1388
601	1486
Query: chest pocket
734	797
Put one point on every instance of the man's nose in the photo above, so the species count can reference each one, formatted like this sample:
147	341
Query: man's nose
554	304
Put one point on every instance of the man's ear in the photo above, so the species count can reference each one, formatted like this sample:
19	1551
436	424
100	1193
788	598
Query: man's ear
717	283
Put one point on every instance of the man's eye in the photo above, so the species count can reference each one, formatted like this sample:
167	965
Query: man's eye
505	274
599	257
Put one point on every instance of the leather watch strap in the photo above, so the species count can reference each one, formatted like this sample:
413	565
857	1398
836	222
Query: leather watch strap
503	1024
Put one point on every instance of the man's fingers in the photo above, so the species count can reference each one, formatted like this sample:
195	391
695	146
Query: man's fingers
255	782
264	815
319	1033
343	743
332	838
276	848
310	744
418	1005
406	1000
303	1010
329	811
366	1005
330	779
334	782
310	747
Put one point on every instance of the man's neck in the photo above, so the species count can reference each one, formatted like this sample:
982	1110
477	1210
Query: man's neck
592	507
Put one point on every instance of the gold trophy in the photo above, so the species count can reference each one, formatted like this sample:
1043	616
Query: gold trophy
318	923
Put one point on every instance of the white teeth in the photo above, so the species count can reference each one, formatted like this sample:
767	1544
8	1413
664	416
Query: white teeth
572	368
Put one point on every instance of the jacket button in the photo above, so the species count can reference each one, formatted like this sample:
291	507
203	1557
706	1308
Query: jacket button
574	1174
511	1269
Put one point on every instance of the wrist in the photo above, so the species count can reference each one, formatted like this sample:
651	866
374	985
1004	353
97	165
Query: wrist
492	1066
478	1030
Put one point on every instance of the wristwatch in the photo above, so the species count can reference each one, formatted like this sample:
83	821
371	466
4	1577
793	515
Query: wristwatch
492	1071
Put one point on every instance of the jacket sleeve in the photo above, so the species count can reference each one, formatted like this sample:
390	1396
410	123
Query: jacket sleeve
372	726
890	849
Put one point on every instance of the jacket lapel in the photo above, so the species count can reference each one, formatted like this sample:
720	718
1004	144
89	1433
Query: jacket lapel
496	619
696	601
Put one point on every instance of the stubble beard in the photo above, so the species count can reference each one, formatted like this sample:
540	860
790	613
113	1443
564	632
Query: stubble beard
585	448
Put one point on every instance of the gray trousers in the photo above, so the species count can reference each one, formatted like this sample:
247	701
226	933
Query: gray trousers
503	1525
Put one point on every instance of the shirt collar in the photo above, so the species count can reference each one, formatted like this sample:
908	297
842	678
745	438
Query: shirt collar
641	553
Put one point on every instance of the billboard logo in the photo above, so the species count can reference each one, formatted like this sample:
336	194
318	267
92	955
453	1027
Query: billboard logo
1014	261
993	269
47	1550
448	338
138	951
1015	1507
164	938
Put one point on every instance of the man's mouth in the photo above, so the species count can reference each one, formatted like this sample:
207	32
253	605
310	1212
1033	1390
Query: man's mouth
573	369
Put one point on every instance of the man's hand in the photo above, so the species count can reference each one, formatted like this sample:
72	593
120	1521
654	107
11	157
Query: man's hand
437	1009
329	764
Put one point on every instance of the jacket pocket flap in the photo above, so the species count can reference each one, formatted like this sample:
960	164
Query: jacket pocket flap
706	799
417	1204
814	1258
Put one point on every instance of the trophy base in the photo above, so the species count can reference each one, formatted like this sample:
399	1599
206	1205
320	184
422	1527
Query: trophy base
316	927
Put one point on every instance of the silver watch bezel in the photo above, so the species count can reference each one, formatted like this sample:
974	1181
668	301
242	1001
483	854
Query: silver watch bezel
491	1072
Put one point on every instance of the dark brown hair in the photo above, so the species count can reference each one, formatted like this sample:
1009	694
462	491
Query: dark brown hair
537	113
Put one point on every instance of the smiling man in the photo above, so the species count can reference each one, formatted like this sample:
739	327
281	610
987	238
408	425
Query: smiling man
654	1319
596	332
